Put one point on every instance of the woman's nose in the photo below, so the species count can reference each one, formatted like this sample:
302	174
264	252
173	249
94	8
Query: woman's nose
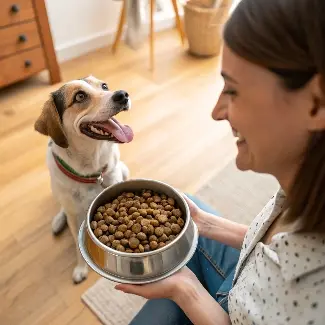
220	111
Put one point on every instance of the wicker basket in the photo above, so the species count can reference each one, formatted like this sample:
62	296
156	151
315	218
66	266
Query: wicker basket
203	28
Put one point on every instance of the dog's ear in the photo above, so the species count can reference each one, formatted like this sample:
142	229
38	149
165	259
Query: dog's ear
49	123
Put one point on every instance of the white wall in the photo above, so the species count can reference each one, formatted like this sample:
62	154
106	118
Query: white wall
80	26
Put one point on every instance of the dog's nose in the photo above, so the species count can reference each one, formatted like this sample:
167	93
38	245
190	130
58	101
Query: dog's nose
120	97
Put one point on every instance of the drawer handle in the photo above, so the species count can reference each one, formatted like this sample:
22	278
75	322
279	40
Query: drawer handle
14	9
22	38
28	63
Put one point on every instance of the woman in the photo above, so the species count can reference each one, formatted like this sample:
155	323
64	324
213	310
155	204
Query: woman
274	99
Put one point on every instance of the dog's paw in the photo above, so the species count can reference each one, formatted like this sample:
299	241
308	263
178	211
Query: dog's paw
59	223
80	273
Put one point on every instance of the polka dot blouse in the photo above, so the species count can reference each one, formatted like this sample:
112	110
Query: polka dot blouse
282	282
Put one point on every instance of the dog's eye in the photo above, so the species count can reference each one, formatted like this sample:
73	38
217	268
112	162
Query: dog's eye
80	96
104	86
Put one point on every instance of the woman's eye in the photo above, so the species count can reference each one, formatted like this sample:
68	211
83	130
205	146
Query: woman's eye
230	92
104	86
80	96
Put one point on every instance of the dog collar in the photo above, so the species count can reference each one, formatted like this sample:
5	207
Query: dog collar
96	178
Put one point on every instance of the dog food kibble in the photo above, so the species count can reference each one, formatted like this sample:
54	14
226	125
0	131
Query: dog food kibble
133	210
124	242
155	223
93	225
104	228
115	243
109	220
153	238
176	228
120	248
98	232
138	222
103	239
100	222
111	229
162	218
163	238
171	237
180	222
153	245
141	236
110	212
128	234
101	209
134	242
173	219
139	219
145	222
159	231
141	248
136	228
119	235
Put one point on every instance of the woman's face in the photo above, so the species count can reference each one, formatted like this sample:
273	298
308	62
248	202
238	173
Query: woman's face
269	121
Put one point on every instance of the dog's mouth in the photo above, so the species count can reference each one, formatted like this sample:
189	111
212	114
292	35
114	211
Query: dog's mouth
111	130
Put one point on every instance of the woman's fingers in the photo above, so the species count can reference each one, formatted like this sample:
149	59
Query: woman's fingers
127	288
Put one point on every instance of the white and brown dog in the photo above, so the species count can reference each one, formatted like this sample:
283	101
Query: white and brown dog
79	119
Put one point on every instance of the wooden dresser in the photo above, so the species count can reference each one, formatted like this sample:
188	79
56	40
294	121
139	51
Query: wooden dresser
26	45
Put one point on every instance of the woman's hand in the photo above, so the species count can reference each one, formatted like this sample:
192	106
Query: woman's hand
196	213
188	293
169	288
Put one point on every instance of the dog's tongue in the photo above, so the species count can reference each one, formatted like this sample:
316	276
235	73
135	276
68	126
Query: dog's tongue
123	133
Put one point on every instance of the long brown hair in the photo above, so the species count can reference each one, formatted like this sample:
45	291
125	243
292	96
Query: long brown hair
288	38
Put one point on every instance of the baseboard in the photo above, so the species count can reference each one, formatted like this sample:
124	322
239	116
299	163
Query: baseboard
82	46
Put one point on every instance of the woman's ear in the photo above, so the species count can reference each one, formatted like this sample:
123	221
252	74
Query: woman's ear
316	118
49	123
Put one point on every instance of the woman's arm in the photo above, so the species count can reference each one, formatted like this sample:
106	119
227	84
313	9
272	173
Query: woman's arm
220	229
211	226
199	306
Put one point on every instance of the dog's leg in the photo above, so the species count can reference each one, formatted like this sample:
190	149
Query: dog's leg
59	222
125	171
80	271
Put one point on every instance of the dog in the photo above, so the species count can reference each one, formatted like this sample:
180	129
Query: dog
83	150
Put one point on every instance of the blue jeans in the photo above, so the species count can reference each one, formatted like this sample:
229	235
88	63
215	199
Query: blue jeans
214	265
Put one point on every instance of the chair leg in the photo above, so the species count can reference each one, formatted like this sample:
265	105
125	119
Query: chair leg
120	27
152	34
178	22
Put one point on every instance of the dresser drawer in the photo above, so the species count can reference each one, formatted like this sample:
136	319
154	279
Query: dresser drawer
15	11
21	66
18	38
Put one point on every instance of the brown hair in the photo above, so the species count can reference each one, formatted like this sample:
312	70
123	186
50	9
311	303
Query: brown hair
288	38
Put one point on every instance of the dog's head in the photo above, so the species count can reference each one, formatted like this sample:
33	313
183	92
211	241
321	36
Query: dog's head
85	108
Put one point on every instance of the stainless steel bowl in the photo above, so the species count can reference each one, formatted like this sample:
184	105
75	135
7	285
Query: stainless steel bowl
144	267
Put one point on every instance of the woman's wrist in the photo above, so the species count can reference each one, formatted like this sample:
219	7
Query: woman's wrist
188	291
199	306
220	229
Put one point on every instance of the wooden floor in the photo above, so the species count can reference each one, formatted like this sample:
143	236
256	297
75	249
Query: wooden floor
176	141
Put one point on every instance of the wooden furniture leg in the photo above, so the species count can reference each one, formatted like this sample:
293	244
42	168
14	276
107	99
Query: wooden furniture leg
152	31
120	27
45	33
178	22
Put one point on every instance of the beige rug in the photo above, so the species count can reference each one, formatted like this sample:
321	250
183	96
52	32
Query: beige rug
235	195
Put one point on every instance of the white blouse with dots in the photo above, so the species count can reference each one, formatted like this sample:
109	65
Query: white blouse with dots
279	283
